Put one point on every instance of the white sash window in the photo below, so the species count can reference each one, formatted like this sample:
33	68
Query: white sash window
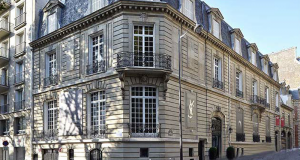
217	69
189	9
51	116
51	65
98	113
216	28
98	4
254	88
52	22
237	46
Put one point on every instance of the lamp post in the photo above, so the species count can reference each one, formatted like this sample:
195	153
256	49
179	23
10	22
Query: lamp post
179	77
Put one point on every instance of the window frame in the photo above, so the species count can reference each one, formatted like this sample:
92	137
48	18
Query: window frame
267	94
55	22
98	101
54	109
216	34
143	109
241	111
254	87
268	126
239	77
255	123
217	69
237	46
100	45
189	12
48	63
20	126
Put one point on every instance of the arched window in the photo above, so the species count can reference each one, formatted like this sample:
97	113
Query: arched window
95	154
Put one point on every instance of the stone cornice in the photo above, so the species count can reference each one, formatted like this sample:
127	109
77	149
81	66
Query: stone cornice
287	107
217	12
253	46
119	6
238	32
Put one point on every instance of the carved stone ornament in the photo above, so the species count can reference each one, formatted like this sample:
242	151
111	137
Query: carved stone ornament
143	17
144	78
95	85
165	81
170	132
49	95
122	79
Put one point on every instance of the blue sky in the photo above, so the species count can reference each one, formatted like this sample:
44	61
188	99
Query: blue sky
272	24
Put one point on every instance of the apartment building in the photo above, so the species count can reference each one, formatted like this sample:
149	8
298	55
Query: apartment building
289	74
17	26
105	82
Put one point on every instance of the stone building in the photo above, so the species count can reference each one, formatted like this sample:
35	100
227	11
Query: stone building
17	26
105	80
289	70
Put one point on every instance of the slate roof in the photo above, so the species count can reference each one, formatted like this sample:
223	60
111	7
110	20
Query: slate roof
295	94
76	9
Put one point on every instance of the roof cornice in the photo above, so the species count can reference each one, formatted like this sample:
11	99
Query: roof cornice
119	6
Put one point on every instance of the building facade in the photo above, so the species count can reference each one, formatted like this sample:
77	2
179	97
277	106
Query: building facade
105	82
17	29
289	70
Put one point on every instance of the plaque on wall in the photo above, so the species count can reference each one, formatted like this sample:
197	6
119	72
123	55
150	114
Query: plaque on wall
190	109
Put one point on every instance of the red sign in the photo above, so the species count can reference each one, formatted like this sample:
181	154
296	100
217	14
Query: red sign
277	121
282	122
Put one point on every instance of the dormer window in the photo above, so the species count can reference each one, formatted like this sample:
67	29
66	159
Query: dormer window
215	18
236	37
216	28
189	9
98	4
252	50
274	70
52	22
266	68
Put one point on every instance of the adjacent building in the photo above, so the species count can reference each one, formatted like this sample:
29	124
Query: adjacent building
289	70
17	29
105	82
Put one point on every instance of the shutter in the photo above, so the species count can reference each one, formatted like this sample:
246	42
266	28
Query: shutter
220	70
216	29
241	81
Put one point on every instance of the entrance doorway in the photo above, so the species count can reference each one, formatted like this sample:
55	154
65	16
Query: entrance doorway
216	135
289	140
283	140
50	154
201	149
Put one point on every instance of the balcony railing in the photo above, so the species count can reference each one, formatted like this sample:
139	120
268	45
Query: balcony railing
4	52
144	130
217	84
21	132
268	139
239	93
5	25
144	60
4	109
3	80
96	67
20	49
19	106
47	135
97	132
20	19
256	138
51	80
19	77
259	101
240	137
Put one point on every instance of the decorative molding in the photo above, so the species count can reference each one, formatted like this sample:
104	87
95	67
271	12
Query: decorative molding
50	95
217	12
95	85
238	32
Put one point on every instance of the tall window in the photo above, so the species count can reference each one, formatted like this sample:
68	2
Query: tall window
5	127
52	22
275	75
19	100
20	18
52	116
51	64
289	120
239	121
268	132
98	111
189	9
20	125
266	69
96	57
237	46
254	88
255	124
19	77
97	4
144	46
276	100
267	94
239	84
217	69
216	28
144	118
71	154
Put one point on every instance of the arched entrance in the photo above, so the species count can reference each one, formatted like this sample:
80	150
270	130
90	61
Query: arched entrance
217	134
289	140
283	140
276	140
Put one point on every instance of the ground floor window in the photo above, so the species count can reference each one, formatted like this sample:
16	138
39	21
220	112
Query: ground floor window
20	152
98	112
50	154
144	118
95	154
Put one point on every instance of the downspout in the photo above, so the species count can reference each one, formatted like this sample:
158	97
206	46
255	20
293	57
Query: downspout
229	99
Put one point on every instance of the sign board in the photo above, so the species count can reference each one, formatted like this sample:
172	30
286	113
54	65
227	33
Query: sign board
5	148
5	143
190	109
277	120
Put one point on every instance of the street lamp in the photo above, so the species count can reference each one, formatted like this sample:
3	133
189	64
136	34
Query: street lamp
179	75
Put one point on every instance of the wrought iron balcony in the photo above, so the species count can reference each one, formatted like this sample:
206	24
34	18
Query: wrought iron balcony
4	86
4	5
20	49
144	130
239	93
19	106
20	21
141	61
4	28
20	77
240	137
51	80
259	102
97	132
268	139
256	138
5	133
217	84
4	109
19	132
47	135
96	67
